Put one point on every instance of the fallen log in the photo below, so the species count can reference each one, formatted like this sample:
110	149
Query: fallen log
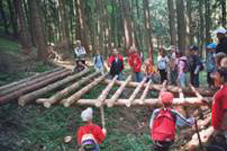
76	96
61	94
105	92
35	94
30	83
118	92
143	96
187	91
24	90
136	91
29	78
148	102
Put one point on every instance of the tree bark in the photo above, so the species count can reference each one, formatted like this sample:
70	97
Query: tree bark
35	94
143	96
172	15
208	21
16	94
201	25
181	26
189	23
13	19
224	13
38	29
24	35
61	94
4	87
2	11
76	96
117	94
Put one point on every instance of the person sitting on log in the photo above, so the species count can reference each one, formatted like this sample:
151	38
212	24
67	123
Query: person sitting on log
90	135
163	123
116	64
80	52
135	63
99	62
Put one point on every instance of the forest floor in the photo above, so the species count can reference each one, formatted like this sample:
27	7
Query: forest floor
35	128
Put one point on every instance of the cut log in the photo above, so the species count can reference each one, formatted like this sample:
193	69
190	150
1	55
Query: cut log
143	96
29	78
76	96
24	90
196	92
35	94
149	102
61	94
187	91
181	109
30	83
105	92
137	90
118	92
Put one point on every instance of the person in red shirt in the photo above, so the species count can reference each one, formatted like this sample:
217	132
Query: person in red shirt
135	63
116	64
90	134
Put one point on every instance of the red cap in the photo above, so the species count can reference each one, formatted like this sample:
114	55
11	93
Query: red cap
167	98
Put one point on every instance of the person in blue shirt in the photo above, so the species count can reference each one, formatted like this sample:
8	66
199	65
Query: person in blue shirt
210	63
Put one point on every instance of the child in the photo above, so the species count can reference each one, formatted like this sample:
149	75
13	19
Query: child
181	62
116	64
210	63
219	59
163	123
79	66
135	64
195	65
90	135
99	62
162	65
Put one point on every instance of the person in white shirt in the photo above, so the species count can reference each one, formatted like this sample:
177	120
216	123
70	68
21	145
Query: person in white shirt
79	52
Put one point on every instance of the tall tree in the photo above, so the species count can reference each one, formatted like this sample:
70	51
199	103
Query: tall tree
24	35
2	11
208	21
224	11
201	25
181	25
38	30
148	28
189	22
13	19
172	15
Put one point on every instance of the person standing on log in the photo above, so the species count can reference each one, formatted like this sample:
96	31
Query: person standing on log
80	52
162	62
135	63
222	41
90	135
163	123
99	62
116	64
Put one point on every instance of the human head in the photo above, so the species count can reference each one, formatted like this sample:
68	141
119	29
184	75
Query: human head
98	52
115	52
87	115
193	49
132	50
179	54
223	62
167	98
220	33
223	74
211	47
219	57
78	43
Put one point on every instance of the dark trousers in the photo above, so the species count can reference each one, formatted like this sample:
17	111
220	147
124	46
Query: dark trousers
194	78
161	146
163	75
210	80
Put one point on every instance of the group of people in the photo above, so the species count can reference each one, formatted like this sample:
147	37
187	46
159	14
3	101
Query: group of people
172	67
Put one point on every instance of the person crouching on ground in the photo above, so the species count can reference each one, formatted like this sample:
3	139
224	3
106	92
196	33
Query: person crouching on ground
90	135
98	62
211	64
135	63
163	123
116	64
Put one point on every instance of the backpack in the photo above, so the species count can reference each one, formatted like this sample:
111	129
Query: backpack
163	128
88	142
186	66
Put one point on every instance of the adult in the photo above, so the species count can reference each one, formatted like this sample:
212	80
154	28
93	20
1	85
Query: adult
135	63
222	41
80	52
116	64
90	135
162	62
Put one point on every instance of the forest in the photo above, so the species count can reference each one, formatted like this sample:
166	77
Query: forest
42	92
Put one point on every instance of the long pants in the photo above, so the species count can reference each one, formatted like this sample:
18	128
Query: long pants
210	80
138	76
194	78
161	146
173	77
163	75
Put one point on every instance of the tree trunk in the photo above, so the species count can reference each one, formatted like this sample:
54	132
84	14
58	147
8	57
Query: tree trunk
13	19
35	94
224	11
189	23
181	26
38	29
201	25
63	93
172	15
2	11
148	28
208	21
24	35
4	87
76	96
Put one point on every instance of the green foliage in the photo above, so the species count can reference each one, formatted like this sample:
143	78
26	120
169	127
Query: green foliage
9	46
